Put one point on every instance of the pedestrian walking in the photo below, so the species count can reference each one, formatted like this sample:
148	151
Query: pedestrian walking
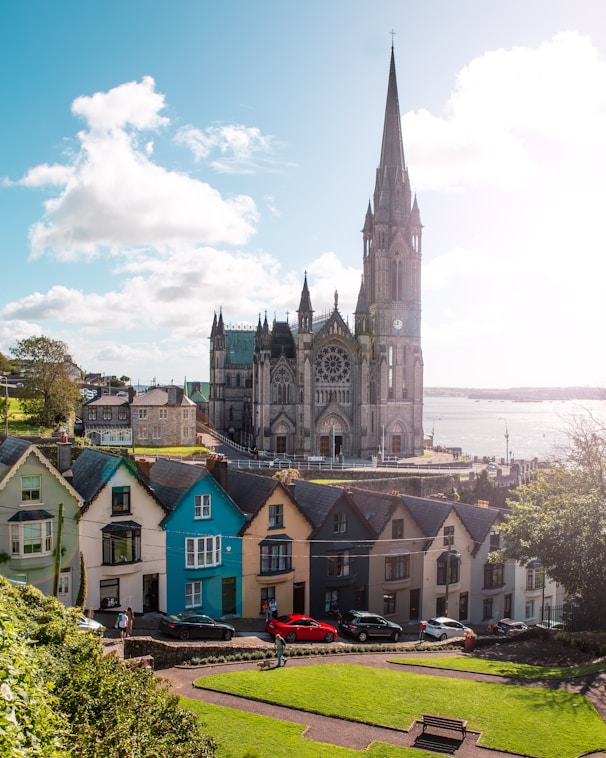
130	621
280	647
122	624
422	628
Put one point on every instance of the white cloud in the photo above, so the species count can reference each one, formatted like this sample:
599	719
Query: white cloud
510	114
115	197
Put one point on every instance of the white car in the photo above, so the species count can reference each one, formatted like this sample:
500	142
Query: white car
443	628
86	624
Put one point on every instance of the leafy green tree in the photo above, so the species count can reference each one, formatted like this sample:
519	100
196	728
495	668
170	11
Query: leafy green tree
560	519
482	489
5	365
62	695
48	394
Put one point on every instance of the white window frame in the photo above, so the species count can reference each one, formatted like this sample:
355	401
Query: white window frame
193	594
142	413
203	552
163	414
29	485
202	506
24	534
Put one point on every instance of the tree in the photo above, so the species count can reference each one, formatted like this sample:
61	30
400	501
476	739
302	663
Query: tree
5	365
560	520
48	394
83	588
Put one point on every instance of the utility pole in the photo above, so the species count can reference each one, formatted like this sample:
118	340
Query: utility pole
58	550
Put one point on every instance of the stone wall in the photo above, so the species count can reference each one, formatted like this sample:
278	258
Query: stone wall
169	654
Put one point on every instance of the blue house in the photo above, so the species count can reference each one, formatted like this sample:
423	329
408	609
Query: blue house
203	549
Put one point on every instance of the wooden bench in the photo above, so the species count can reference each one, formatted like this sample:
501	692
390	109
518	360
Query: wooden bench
430	721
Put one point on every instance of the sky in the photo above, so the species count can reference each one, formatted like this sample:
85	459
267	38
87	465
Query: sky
161	162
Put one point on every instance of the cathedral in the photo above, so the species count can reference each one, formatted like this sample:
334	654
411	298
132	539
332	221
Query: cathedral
315	388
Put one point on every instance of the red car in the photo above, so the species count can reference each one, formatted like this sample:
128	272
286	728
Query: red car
299	627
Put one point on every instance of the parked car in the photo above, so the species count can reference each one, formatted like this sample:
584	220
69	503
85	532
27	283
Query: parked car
299	627
281	461
190	625
509	626
443	628
363	624
553	625
85	624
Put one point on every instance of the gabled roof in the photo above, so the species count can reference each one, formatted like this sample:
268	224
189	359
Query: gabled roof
430	514
11	450
250	492
14	451
377	507
171	481
317	500
93	469
159	397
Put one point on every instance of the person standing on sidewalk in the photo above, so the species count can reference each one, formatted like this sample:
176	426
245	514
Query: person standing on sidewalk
122	624
131	618
280	646
273	608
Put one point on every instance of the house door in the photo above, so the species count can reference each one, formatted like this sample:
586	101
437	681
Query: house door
228	596
64	588
298	597
415	605
360	597
150	593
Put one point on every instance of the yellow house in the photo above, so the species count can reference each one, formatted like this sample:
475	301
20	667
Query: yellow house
275	544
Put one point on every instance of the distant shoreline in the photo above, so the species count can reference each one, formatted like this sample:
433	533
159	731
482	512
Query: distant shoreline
520	394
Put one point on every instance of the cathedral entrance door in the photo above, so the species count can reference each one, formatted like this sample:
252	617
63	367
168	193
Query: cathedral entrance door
325	446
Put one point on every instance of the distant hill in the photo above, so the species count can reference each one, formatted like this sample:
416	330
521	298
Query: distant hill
520	394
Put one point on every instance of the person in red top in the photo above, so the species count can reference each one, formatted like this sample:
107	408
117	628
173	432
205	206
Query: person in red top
422	628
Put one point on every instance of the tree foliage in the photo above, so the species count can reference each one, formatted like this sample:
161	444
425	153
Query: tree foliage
62	695
5	365
560	519
48	395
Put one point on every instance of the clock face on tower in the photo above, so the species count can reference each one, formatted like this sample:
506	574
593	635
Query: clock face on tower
398	324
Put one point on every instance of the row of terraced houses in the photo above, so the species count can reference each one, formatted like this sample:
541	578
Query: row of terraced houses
165	536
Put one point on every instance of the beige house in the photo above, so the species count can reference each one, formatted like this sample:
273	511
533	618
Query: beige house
275	546
163	417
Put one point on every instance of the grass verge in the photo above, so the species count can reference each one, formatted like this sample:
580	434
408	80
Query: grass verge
529	720
503	668
239	733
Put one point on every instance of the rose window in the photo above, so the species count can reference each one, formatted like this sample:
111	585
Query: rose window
332	365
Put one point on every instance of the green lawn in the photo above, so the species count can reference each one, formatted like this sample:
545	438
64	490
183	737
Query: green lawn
528	720
236	731
503	668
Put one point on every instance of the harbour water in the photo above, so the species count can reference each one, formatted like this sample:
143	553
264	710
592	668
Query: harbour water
536	430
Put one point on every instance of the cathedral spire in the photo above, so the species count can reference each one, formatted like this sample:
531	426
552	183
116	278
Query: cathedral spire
392	149
305	311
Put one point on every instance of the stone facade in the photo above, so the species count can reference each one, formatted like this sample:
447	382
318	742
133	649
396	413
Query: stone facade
317	387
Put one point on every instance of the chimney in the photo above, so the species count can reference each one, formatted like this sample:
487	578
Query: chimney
218	468
64	455
131	394
172	395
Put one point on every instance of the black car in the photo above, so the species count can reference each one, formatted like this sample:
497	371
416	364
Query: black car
190	625
363	624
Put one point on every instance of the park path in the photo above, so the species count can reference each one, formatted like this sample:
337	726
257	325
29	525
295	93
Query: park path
356	735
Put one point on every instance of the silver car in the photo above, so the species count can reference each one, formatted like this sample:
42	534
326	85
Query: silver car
443	628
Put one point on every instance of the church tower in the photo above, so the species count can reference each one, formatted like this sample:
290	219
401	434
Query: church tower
316	387
391	289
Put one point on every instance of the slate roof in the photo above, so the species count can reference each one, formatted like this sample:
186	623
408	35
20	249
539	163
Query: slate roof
249	491
172	480
316	500
376	507
91	471
11	451
282	342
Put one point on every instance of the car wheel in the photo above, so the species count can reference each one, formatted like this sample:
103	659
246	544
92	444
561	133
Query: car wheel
184	634
329	637
363	636
395	636
291	637
442	637
227	635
